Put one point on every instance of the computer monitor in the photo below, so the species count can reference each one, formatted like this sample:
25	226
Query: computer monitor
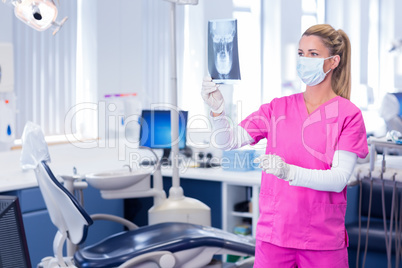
155	131
13	246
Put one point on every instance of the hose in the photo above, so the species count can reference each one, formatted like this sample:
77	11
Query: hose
388	240
360	219
384	218
368	221
391	220
398	233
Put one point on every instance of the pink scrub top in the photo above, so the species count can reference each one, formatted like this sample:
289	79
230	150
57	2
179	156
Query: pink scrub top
294	216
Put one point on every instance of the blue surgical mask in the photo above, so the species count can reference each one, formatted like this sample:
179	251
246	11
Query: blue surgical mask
311	70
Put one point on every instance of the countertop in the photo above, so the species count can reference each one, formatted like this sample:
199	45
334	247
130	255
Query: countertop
64	157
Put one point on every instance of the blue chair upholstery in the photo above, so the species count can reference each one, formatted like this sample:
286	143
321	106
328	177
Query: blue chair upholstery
86	218
172	236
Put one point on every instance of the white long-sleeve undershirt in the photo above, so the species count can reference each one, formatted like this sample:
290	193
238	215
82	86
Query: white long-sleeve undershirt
334	179
228	137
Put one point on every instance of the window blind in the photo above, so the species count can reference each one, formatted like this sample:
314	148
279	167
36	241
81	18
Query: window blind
45	70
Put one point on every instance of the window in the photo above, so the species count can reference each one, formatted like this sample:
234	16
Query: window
45	82
313	12
309	14
247	93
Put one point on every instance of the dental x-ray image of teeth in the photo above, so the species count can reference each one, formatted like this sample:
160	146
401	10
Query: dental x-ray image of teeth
223	56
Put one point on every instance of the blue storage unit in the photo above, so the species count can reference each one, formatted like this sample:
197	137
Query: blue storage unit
39	230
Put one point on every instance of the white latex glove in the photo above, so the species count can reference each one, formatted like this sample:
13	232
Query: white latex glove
212	96
273	164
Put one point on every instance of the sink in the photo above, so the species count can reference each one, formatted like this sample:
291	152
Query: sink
117	179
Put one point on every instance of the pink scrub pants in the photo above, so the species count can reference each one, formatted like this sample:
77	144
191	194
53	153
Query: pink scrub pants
268	255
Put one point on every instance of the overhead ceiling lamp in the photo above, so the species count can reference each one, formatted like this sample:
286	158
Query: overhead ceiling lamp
38	14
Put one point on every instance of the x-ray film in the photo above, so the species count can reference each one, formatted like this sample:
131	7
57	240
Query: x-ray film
223	56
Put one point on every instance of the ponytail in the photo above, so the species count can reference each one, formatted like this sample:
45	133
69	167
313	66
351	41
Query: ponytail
337	43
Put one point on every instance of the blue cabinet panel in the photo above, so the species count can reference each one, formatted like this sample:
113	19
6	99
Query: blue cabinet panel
40	233
30	199
94	203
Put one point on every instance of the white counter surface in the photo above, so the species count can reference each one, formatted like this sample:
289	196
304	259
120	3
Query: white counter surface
66	156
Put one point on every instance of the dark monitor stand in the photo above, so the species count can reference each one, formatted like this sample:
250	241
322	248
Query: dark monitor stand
165	157
165	161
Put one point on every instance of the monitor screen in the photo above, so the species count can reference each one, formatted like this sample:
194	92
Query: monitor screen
13	249
155	130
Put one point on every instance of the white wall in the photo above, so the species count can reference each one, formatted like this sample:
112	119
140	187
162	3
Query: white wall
398	35
291	33
110	57
221	9
120	46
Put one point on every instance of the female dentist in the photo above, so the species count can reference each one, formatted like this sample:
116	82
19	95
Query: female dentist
313	141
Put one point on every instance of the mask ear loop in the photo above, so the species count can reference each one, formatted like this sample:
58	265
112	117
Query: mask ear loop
331	68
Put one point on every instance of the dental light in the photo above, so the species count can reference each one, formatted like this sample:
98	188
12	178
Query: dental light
38	14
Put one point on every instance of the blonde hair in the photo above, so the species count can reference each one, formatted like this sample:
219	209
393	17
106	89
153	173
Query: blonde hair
337	43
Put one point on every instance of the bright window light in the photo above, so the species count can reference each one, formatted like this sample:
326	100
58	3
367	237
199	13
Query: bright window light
309	6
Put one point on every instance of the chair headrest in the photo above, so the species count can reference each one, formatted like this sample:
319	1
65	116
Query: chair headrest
34	147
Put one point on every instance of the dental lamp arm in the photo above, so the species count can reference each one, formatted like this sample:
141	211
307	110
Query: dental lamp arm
158	180
227	137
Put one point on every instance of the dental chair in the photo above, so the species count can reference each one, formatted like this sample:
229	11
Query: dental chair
163	245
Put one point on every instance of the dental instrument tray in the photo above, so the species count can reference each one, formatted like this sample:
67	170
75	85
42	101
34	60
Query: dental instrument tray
384	142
